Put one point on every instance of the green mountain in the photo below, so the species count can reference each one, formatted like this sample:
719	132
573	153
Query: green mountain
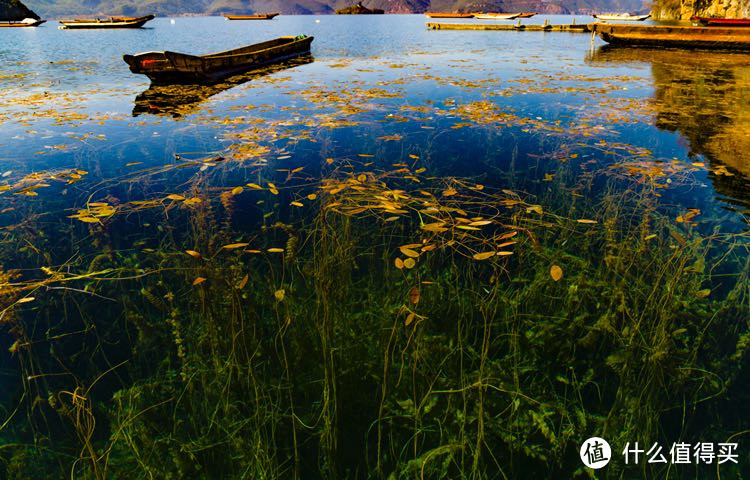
59	8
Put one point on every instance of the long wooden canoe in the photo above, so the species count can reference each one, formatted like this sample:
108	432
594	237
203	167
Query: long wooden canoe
111	22
257	16
26	22
449	15
173	67
722	22
526	14
734	38
496	16
620	17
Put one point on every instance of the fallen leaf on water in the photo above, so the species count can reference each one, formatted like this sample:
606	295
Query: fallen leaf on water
483	255
198	280
408	252
480	223
175	197
237	190
503	253
25	299
232	246
193	253
410	318
585	220
254	186
703	293
535	208
312	196
243	282
297	204
414	295
399	263
409	263
275	250
279	294
556	273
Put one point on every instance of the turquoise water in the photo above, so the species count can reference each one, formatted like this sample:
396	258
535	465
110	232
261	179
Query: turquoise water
623	139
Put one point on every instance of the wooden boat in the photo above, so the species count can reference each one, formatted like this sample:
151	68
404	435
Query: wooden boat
526	14
111	22
733	38
257	16
449	15
620	17
173	67
186	99
26	22
496	16
721	22
359	9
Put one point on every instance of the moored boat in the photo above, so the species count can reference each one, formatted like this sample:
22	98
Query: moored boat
620	17
733	38
257	16
111	22
496	16
526	14
26	22
173	67
449	15
722	22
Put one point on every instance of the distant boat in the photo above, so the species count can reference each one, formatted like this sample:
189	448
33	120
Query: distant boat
620	17
173	67
111	22
359	9
257	16
526	14
496	16
722	22
674	36
26	22
449	15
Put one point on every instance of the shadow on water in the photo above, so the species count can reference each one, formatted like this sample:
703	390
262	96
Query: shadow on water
701	96
179	100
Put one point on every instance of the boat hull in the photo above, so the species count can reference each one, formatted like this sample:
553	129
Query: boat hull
114	22
261	16
172	67
722	22
621	18
496	16
674	36
22	24
449	15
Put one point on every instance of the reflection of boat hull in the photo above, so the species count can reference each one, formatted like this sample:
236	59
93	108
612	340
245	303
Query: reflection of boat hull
674	36
496	16
112	22
449	15
722	22
173	67
35	23
180	100
259	16
614	17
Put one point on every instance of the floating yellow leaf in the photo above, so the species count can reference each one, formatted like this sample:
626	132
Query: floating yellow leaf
415	157
26	299
483	255
192	201
297	204
243	282
585	220
534	208
408	252
88	219
409	263
448	192
275	250
649	237
362	178
198	280
556	273
232	246
193	253
175	197
467	227
410	318
414	295
703	293
312	196
329	161
503	253
237	190
480	223
279	294
254	186
399	263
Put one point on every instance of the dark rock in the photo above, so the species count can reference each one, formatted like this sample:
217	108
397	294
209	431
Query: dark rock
15	10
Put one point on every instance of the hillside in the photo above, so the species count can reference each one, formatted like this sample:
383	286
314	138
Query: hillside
684	9
15	10
58	8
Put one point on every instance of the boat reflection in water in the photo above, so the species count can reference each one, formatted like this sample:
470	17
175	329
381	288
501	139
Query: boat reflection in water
179	100
702	95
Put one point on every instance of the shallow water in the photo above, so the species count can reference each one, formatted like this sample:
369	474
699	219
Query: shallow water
385	105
